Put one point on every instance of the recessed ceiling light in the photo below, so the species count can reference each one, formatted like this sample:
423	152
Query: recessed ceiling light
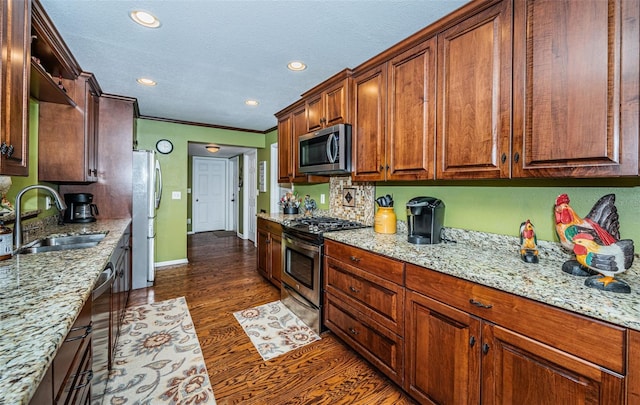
146	82
252	103
145	19
296	66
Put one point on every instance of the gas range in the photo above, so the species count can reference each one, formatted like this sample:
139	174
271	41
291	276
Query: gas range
312	228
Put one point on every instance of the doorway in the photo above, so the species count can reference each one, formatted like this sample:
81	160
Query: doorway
250	194
210	195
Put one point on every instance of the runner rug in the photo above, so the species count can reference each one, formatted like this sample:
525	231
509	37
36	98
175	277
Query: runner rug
274	329
158	359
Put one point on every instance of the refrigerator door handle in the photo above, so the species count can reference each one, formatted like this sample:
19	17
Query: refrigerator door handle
158	184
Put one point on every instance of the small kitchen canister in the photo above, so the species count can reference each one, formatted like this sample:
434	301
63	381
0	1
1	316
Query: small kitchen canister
6	242
385	220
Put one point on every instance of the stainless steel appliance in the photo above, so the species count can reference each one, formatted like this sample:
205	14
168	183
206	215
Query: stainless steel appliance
147	192
80	208
302	243
425	217
327	151
101	319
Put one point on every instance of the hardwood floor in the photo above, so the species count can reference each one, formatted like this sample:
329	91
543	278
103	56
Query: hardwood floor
221	278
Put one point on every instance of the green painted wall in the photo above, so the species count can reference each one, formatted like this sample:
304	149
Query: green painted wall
171	222
500	206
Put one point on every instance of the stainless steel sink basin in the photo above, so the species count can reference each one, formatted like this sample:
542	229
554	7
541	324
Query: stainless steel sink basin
56	243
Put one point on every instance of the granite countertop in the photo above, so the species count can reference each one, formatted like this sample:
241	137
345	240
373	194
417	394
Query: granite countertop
41	295
494	261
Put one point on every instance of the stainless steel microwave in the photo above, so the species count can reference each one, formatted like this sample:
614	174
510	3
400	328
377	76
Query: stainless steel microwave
327	151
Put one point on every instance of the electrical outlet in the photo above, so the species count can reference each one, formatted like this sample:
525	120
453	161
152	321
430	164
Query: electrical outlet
47	202
321	198
188	221
176	195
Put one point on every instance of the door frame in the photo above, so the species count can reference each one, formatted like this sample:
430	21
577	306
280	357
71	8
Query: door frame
248	183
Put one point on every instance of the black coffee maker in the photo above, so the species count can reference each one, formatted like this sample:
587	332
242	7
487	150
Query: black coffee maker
80	208
425	217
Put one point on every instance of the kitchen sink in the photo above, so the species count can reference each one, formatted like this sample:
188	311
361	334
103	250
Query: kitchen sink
67	242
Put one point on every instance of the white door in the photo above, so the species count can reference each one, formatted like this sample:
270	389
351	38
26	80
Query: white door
251	183
209	200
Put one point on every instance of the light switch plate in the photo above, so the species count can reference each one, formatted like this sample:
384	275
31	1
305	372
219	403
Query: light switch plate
176	195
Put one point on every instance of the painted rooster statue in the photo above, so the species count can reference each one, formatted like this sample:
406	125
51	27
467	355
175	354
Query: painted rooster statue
599	230
607	260
528	243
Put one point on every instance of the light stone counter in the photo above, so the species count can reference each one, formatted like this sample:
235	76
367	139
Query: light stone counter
494	261
41	295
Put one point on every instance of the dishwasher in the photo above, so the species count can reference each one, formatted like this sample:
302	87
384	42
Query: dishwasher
101	319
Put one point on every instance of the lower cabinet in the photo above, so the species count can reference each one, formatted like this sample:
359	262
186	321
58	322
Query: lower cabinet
68	380
121	259
270	250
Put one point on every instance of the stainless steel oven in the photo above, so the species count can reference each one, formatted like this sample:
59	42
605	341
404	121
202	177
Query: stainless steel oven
302	279
302	244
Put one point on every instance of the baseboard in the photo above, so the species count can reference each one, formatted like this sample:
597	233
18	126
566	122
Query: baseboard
171	263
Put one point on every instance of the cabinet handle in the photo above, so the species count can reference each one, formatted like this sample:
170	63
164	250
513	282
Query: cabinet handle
87	331
479	304
485	348
503	158
472	341
89	374
516	157
381	167
353	289
354	259
353	331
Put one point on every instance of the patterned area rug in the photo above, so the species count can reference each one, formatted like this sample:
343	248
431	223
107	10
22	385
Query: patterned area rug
274	329
158	358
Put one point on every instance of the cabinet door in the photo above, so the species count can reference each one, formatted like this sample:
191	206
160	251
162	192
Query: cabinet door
263	252
575	90
91	130
335	105
411	115
368	136
276	259
314	113
15	38
299	128
519	370
284	149
474	105
443	353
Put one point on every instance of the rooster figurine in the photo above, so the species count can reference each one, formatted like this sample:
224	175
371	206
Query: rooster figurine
607	260
601	223
528	243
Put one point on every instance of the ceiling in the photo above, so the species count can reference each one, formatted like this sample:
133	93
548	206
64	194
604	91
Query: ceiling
209	56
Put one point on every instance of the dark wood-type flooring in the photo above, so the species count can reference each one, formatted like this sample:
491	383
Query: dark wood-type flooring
220	279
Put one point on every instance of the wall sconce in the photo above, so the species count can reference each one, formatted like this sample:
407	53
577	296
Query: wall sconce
212	148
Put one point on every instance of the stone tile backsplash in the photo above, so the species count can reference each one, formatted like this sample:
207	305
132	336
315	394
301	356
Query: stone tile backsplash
351	200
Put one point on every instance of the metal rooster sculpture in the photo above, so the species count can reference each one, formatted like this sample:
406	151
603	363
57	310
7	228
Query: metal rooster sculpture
595	239
528	243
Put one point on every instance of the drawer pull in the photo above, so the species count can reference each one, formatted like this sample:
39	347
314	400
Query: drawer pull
353	331
472	341
354	259
479	304
485	348
353	289
87	328
89	374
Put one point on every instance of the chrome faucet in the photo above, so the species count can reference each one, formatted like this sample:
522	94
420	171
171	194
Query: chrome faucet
17	229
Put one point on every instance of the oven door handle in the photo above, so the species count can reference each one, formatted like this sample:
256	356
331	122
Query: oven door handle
306	246
295	298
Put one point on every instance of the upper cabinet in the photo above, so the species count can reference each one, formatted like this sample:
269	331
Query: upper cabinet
474	96
292	123
328	103
15	34
575	88
394	117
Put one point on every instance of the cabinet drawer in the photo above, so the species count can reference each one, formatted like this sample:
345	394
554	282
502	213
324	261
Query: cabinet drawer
384	267
269	226
570	332
383	348
374	296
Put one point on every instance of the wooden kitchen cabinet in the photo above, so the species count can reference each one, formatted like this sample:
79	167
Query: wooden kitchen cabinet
68	380
394	117
270	250
291	124
575	88
121	259
327	104
68	135
507	349
364	305
15	38
473	135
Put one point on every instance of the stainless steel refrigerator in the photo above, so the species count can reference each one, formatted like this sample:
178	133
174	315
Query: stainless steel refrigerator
147	192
